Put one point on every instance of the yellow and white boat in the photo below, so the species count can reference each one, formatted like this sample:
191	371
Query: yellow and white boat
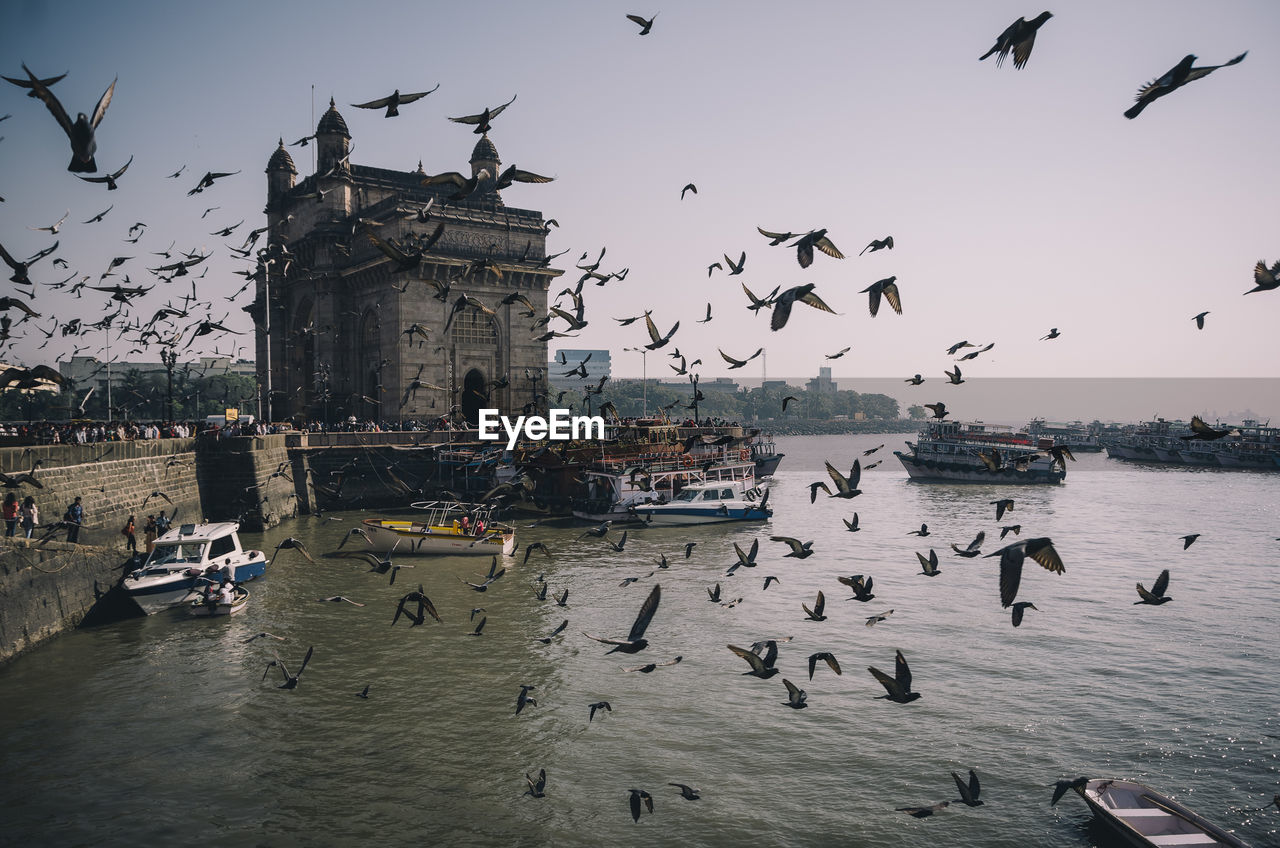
448	527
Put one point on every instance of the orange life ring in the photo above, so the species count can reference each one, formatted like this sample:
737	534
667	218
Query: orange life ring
686	460
744	454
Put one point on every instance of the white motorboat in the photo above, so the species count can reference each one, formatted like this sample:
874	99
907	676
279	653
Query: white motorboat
619	488
449	527
187	555
709	502
1145	818
209	607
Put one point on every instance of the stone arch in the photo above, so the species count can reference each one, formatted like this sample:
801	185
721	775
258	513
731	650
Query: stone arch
474	395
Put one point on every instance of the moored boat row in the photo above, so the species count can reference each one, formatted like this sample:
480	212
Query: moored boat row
1249	446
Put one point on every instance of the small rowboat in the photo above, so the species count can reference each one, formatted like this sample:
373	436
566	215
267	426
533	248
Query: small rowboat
202	607
1145	818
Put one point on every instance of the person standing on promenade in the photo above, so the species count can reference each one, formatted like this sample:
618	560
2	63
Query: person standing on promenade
10	514
130	535
30	516
151	530
74	519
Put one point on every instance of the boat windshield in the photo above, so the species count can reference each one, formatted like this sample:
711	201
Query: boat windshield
181	552
689	495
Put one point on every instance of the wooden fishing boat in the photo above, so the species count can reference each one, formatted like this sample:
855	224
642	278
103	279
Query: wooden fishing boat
448	527
1145	818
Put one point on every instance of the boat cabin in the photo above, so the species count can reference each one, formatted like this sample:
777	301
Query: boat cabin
710	491
196	545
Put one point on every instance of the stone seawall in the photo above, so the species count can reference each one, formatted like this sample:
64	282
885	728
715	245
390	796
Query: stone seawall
256	480
50	589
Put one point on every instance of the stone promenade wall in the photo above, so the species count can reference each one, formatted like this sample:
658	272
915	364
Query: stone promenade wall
49	589
113	479
256	480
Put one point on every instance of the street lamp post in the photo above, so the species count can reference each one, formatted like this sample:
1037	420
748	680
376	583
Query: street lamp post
170	358
644	377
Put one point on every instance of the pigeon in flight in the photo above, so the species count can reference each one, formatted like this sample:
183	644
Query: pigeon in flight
392	102
645	26
1176	77
81	132
1020	37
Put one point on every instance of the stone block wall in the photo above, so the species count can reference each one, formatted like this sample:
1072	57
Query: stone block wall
113	479
256	480
46	590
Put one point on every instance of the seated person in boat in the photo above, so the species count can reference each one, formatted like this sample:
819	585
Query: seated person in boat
227	592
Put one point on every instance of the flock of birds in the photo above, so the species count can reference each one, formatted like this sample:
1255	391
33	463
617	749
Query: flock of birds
188	317
762	657
184	317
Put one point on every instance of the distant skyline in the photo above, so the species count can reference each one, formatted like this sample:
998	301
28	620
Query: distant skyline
1019	200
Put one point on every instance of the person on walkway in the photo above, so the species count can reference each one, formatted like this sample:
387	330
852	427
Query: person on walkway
74	519
30	516
10	514
129	533
151	530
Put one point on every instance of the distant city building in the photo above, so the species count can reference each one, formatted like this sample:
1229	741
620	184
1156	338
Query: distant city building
822	384
599	365
720	384
775	384
88	372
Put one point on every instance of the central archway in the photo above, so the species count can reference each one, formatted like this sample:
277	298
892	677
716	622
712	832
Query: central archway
475	395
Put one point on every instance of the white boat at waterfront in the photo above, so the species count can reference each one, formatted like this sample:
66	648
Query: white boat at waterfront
1147	819
187	557
207	608
957	452
448	527
709	502
617	488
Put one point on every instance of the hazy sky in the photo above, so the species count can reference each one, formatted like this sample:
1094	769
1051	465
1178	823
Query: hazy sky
1019	200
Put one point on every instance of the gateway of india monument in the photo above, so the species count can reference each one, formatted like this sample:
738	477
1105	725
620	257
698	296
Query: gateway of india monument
380	297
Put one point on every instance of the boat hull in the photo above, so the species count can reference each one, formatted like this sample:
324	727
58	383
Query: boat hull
1145	818
409	537
155	594
672	516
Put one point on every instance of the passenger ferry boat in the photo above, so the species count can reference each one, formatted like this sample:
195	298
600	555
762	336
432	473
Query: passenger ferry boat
1076	436
571	477
618	488
448	527
765	453
958	452
709	502
186	558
